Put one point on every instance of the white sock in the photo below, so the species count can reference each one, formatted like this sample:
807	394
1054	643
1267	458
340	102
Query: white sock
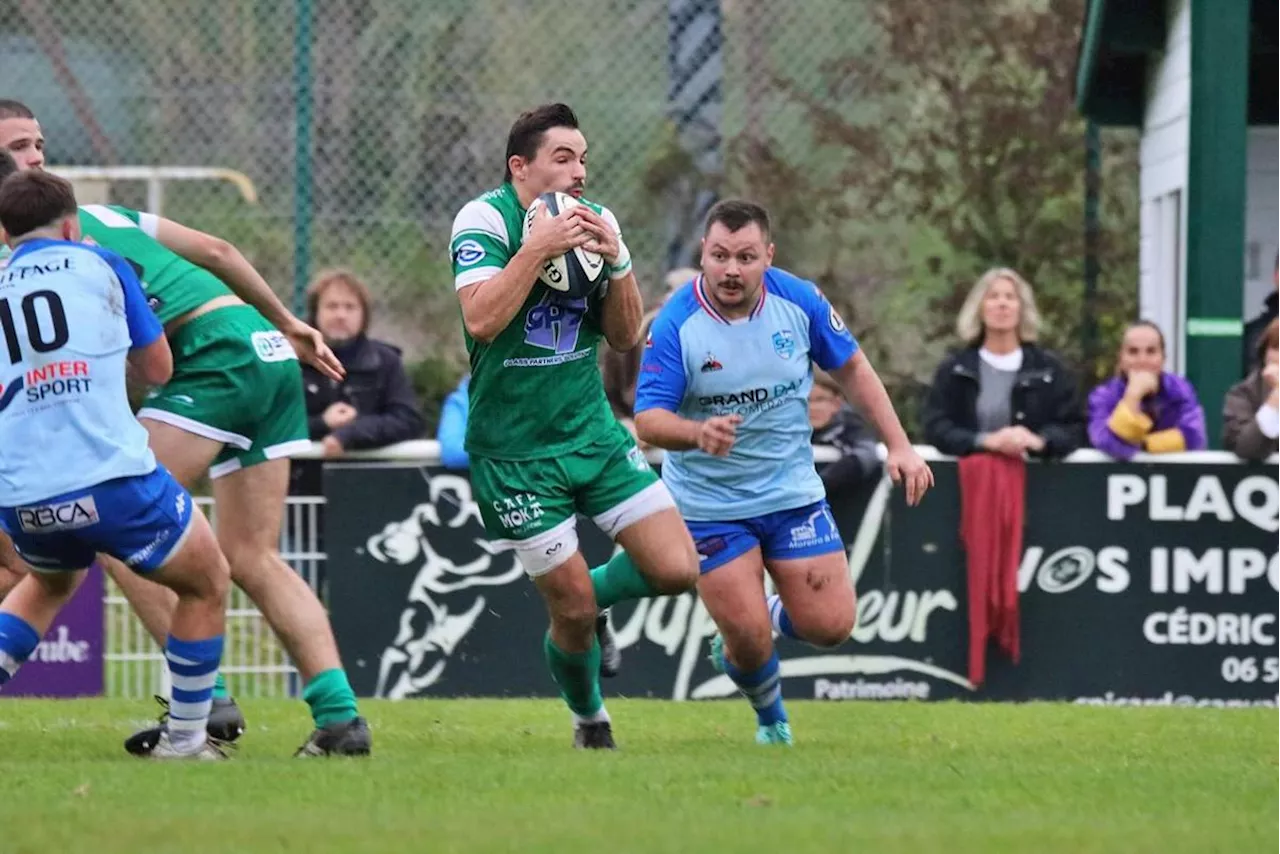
600	717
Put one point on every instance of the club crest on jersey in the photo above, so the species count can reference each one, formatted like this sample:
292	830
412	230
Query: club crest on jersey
710	364
784	343
468	252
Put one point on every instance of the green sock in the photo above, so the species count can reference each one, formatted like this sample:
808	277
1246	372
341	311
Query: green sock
330	697
618	581
578	676
220	687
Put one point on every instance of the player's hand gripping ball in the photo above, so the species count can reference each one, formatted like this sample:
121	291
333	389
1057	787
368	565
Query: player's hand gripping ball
576	273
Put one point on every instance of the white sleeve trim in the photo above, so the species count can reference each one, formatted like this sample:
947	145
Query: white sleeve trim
607	216
482	218
1268	418
149	223
474	277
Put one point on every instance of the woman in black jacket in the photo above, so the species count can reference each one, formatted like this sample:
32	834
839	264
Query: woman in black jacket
1003	393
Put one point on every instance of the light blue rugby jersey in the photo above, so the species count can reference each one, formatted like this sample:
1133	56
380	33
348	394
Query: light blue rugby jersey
69	314
698	364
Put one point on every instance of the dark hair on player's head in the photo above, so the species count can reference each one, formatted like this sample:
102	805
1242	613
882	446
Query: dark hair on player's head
737	214
14	110
8	165
34	199
527	132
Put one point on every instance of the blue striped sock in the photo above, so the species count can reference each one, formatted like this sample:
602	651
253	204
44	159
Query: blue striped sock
763	688
193	668
781	619
18	639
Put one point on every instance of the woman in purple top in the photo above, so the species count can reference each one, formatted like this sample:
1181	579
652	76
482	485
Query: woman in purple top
1145	408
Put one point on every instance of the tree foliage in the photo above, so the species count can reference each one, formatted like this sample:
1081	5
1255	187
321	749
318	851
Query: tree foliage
948	145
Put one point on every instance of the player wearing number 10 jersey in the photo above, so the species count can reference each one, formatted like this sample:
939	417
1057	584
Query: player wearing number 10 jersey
542	440
76	475
234	408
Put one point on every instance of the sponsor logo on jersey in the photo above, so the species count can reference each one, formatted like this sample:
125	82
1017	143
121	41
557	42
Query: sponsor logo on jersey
273	347
8	392
53	380
784	343
836	321
468	252
18	272
635	457
63	516
710	364
750	395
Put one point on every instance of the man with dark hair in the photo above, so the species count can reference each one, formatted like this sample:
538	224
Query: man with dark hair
724	387
22	136
234	409
83	317
542	441
526	134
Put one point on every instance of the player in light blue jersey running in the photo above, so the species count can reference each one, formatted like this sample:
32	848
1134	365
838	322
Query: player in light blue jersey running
76	474
724	387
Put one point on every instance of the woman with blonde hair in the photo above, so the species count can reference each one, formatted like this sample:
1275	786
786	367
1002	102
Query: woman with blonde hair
1003	393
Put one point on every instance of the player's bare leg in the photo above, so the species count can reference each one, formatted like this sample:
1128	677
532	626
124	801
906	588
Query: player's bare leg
572	650
39	596
12	567
663	552
658	558
187	457
734	596
250	504
199	577
815	602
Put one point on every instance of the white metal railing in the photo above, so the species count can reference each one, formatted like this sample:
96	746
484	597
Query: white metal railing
254	662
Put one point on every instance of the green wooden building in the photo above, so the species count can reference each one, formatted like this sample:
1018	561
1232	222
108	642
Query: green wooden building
1198	78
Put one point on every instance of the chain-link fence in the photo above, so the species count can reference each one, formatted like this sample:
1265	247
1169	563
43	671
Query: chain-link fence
885	135
406	105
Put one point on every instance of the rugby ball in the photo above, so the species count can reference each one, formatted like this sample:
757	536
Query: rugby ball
575	274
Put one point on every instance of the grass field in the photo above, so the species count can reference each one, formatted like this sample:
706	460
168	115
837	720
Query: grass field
486	775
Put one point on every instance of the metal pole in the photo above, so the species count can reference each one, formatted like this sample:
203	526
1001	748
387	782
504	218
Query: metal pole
302	154
1092	235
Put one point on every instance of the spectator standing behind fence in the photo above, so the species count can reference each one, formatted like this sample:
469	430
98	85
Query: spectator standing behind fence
836	424
1003	393
1251	411
1144	407
374	406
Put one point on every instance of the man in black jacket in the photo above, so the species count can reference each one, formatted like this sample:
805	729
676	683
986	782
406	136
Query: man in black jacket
836	424
375	405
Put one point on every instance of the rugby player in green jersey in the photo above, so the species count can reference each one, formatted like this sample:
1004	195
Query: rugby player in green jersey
234	408
542	440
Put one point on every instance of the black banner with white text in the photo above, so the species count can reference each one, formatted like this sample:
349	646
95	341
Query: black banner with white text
1144	583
